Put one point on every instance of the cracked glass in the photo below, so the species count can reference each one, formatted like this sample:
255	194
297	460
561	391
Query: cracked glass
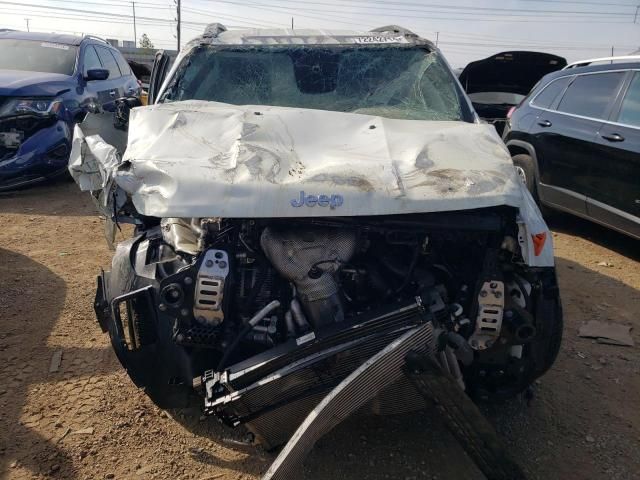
390	81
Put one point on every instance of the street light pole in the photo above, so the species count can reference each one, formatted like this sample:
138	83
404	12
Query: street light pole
27	20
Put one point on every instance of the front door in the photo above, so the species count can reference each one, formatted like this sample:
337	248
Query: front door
112	88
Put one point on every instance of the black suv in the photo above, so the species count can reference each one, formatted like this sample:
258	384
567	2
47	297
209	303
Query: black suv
575	141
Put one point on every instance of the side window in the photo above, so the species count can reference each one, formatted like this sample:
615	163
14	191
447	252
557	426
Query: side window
109	62
549	93
630	110
91	60
122	63
589	95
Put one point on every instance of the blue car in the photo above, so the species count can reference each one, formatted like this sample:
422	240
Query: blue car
48	82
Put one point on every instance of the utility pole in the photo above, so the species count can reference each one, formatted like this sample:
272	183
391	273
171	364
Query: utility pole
437	38
291	23
178	19
27	20
135	33
635	17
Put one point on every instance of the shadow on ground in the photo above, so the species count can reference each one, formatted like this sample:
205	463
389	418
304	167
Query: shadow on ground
31	302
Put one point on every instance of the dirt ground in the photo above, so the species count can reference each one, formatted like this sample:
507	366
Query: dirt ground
88	421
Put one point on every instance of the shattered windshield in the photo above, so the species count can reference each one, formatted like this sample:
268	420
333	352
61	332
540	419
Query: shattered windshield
395	82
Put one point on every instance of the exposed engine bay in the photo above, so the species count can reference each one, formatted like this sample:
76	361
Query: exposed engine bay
263	316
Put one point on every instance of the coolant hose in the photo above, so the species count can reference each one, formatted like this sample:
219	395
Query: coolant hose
253	321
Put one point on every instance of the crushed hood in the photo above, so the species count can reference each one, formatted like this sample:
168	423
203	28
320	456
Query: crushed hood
204	159
509	72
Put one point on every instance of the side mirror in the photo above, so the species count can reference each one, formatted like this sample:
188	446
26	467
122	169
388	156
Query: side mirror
97	74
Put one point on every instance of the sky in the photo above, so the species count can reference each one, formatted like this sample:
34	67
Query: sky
465	30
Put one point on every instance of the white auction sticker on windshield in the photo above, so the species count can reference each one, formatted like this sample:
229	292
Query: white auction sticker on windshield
59	46
379	39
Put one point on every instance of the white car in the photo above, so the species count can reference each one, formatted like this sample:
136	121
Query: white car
302	199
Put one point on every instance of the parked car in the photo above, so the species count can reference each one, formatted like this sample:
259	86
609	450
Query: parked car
575	141
500	82
47	84
302	200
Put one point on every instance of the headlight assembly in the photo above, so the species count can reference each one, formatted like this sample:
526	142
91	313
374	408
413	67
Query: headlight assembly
38	106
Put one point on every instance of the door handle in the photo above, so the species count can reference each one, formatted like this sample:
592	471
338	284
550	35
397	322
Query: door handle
545	123
614	137
112	93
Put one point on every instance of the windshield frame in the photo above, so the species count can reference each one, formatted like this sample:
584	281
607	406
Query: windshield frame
467	112
74	48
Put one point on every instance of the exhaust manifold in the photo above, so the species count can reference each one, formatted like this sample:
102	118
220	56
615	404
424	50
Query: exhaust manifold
297	254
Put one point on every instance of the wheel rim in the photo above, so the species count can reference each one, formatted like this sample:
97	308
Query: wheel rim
521	175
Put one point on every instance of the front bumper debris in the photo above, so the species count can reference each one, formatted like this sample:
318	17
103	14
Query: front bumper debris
32	148
404	358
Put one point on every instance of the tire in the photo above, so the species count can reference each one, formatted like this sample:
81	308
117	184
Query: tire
526	171
525	168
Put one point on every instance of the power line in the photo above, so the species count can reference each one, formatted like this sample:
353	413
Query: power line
81	18
471	7
580	2
448	9
523	41
512	45
125	3
115	18
226	15
339	16
99	14
324	17
105	35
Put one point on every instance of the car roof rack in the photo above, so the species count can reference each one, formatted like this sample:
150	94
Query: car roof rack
393	29
213	30
94	37
584	63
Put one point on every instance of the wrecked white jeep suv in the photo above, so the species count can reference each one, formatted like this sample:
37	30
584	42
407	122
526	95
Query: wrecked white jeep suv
301	200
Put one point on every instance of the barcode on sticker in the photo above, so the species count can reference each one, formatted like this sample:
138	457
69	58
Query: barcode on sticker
305	338
59	46
379	39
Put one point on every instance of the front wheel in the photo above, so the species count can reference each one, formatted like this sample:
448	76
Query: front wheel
525	168
526	172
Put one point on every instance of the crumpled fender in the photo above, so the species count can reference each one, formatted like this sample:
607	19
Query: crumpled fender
534	236
92	161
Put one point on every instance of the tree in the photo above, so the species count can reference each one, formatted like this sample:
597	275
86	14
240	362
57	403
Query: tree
144	41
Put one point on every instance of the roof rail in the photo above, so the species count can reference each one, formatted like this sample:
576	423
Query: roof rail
213	30
393	29
93	37
584	63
